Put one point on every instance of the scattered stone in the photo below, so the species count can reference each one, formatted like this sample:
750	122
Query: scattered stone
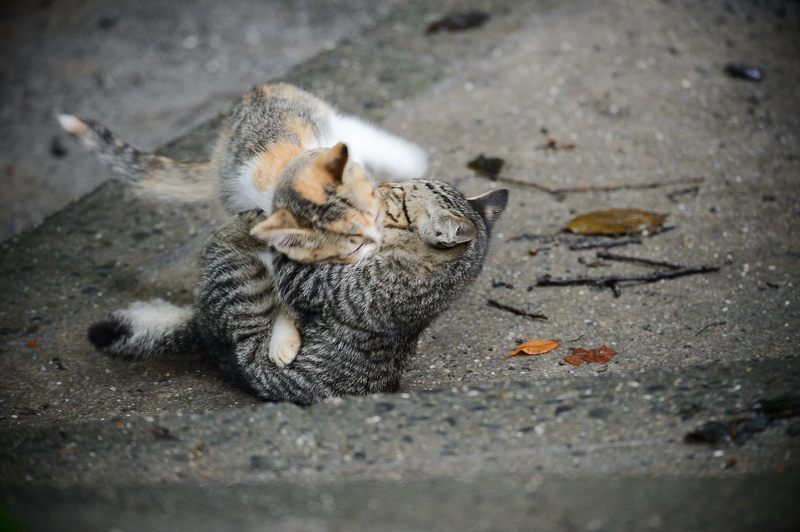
106	22
499	283
258	462
562	409
57	149
735	431
161	433
599	413
745	72
459	22
787	405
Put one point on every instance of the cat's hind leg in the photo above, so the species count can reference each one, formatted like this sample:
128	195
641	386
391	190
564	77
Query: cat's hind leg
284	342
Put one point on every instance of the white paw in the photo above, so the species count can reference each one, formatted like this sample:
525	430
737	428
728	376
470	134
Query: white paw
285	341
283	354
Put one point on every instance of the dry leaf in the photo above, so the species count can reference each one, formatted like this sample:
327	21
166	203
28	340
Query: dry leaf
597	355
32	343
616	222
488	166
535	346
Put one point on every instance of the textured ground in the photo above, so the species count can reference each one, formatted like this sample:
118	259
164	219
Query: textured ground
150	70
474	441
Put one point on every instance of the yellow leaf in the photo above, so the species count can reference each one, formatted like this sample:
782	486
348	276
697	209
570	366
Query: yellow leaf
616	222
535	346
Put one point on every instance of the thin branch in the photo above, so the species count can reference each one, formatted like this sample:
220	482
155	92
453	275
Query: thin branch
595	242
591	188
514	310
579	243
628	186
604	243
517	182
710	325
636	260
613	281
691	191
538	238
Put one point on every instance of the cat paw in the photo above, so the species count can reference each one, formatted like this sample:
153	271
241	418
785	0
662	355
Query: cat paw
284	353
285	342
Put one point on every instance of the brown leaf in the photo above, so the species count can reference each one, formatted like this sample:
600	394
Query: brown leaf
535	346
597	355
488	166
616	222
32	343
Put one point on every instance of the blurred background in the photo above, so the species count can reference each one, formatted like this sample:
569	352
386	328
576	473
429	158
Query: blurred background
149	70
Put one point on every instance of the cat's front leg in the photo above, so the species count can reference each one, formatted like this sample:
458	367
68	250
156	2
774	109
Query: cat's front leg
285	341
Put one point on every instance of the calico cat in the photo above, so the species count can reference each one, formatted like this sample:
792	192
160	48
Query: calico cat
288	153
360	322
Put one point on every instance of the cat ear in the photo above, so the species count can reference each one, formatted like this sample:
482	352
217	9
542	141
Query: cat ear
490	205
449	230
282	232
334	160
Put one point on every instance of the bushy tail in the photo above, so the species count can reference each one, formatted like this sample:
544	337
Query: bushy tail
153	175
376	148
147	330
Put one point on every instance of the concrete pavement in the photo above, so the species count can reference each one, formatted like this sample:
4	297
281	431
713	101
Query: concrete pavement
474	441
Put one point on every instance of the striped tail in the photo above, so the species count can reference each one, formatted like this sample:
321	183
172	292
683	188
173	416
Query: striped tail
152	175
147	330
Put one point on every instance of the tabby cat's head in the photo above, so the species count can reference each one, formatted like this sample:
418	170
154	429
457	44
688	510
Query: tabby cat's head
439	213
324	210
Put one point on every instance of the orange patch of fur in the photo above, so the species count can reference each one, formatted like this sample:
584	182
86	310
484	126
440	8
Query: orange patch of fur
311	183
271	163
360	190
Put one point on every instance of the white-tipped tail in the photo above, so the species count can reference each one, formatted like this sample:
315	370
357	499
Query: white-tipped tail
375	148
146	330
71	124
152	175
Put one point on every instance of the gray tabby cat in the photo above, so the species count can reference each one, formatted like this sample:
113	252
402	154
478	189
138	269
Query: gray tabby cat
359	322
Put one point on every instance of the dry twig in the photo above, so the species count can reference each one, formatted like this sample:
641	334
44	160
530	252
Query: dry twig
557	192
613	281
514	310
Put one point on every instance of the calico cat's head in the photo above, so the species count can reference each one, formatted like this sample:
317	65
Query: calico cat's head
324	210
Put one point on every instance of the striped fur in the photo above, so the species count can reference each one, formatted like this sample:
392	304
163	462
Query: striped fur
359	322
281	150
